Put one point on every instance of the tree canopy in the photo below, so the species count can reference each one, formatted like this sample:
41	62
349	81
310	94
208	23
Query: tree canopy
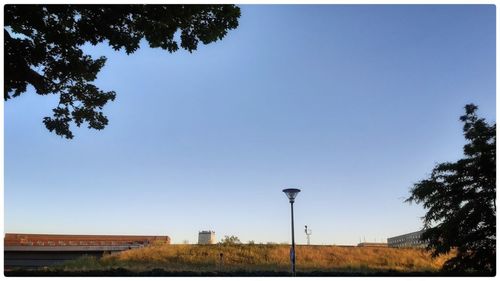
230	240
43	49
460	201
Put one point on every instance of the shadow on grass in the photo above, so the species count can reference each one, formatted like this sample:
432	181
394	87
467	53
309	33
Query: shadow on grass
161	272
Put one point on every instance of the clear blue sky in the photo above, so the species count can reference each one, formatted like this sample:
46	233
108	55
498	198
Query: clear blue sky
352	104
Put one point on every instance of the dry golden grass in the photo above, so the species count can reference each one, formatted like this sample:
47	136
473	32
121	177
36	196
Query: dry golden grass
264	258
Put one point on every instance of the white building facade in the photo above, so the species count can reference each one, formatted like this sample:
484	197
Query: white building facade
206	237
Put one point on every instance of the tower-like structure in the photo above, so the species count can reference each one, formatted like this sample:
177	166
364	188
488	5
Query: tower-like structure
308	234
206	237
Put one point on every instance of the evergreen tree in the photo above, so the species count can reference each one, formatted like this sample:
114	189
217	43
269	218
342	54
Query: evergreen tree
459	198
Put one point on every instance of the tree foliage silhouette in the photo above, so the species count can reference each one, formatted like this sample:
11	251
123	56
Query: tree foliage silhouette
43	49
230	240
460	201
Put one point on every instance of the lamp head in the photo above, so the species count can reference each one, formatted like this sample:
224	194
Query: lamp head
291	193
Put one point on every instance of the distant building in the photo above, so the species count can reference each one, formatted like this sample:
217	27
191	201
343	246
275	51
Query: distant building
409	240
206	237
372	244
63	240
30	250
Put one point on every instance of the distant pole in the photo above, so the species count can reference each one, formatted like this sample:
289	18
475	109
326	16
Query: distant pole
291	193
308	234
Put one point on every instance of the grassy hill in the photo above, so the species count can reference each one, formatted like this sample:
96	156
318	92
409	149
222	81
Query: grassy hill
205	258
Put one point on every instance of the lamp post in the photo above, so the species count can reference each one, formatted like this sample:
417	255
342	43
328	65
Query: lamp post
291	193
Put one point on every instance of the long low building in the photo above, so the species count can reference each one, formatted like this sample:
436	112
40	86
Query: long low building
35	250
372	244
17	239
409	240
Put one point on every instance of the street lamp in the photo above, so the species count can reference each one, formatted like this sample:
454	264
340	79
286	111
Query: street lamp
291	193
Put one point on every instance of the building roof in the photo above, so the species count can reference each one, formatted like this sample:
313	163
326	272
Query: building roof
20	239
